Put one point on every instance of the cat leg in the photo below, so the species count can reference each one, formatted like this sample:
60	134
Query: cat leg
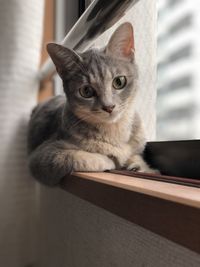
136	163
119	153
91	162
51	161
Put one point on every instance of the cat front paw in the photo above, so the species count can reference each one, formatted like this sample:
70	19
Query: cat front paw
137	164
133	167
92	162
103	163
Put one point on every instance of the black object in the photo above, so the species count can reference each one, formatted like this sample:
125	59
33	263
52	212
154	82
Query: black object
177	161
81	7
175	158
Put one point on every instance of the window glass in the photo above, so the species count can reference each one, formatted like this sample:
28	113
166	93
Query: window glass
178	70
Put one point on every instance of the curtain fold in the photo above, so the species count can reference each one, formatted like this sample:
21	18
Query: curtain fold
21	24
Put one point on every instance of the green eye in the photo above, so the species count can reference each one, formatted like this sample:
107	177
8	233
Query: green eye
119	82
87	92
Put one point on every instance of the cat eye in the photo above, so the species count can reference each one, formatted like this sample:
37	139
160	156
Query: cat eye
87	92
119	82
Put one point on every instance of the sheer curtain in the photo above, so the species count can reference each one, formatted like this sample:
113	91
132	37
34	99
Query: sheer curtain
143	17
20	41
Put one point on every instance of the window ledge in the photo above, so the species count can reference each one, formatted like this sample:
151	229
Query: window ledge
181	194
169	210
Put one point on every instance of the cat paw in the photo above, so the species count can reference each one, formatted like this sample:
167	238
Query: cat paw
135	167
92	162
137	164
104	163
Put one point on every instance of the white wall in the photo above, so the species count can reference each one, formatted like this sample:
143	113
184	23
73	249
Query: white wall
76	233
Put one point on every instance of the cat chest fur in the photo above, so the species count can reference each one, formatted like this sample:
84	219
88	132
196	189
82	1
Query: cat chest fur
117	133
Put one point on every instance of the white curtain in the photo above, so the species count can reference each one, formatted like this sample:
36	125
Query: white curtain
20	42
143	17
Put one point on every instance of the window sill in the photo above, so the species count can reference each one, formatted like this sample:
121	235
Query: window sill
169	210
181	194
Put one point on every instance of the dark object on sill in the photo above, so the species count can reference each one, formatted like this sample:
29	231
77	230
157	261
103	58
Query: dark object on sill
178	162
175	158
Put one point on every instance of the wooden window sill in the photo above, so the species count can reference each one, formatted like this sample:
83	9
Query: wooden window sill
181	194
169	210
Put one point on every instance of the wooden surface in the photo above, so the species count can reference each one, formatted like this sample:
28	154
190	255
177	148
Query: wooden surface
48	33
46	89
177	193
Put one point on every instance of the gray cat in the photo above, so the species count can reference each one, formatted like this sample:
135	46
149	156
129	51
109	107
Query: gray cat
97	129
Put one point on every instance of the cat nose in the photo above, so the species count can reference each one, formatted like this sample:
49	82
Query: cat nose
108	109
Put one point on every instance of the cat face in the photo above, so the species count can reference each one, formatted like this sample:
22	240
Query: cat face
98	84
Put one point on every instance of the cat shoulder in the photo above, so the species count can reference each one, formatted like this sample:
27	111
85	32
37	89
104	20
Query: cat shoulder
49	105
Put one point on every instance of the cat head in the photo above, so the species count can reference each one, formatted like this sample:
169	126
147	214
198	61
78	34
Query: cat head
99	84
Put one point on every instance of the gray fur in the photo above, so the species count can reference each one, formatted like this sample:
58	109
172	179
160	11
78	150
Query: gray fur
78	135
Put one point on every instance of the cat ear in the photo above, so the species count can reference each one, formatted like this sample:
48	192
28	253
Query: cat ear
63	57
121	43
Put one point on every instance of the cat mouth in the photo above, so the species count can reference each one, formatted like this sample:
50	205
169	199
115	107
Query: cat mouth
100	116
111	117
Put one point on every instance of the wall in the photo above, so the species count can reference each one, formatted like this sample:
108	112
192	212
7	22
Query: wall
75	233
